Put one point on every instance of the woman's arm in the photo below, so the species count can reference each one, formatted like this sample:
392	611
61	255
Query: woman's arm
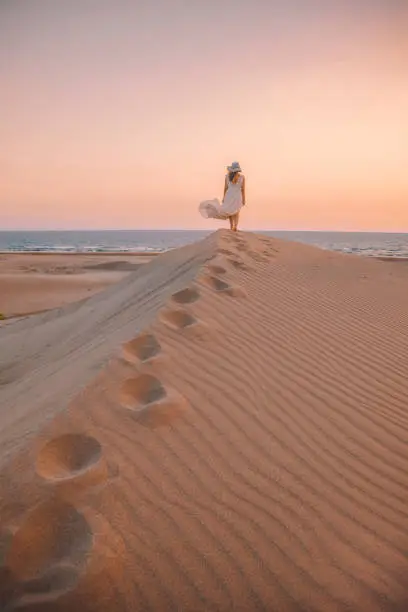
225	188
243	190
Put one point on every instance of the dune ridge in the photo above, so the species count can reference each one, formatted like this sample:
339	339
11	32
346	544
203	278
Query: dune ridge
226	428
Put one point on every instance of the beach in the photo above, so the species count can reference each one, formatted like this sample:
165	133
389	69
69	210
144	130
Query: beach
220	427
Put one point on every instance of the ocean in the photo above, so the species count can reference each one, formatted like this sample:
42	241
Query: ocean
128	241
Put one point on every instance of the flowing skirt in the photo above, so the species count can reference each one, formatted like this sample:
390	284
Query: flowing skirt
213	209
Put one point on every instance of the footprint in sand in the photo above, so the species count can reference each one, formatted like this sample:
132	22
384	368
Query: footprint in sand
142	348
150	403
269	252
215	269
220	286
241	246
225	252
46	555
72	458
178	318
238	264
257	256
186	296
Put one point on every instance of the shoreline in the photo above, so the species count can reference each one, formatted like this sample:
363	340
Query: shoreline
87	253
157	253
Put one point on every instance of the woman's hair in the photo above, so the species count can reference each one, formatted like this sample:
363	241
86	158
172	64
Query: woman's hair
231	175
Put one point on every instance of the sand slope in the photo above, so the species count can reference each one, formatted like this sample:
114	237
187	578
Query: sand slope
225	429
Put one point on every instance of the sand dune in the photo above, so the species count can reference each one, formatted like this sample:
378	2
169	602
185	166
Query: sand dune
225	429
35	282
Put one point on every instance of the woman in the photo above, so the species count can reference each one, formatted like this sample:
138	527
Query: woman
233	200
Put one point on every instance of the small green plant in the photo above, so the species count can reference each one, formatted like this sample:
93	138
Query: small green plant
2	316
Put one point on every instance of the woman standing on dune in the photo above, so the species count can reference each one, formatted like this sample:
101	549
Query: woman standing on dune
233	200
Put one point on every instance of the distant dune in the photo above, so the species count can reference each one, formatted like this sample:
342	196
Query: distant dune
224	429
35	282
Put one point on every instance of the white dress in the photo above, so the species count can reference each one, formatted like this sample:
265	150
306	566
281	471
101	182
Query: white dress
213	209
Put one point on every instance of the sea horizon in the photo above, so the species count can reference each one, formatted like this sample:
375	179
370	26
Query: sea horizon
199	229
375	244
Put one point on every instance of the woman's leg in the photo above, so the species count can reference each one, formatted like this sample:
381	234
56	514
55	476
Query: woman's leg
231	222
235	222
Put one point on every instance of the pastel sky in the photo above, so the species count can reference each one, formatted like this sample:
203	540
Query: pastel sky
124	113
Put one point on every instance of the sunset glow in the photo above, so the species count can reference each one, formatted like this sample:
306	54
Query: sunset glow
124	114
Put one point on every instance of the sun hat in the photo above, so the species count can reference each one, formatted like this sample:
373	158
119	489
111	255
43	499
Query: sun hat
234	167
